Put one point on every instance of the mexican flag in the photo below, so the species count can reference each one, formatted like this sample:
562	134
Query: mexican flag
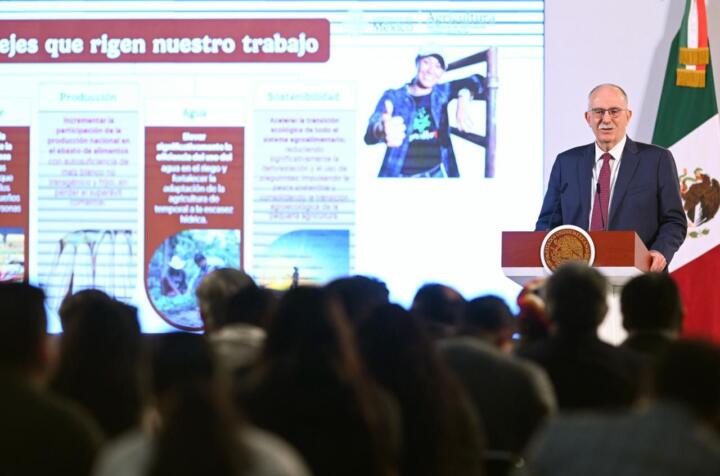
687	123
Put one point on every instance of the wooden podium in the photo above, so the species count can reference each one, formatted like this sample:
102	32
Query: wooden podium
619	255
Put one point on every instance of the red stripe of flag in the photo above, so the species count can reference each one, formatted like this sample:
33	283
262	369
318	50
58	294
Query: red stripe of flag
698	291
702	29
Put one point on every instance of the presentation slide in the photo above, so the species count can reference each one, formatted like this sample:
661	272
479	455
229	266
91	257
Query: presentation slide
144	144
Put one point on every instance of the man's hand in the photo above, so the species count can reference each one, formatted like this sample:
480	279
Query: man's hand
393	126
658	261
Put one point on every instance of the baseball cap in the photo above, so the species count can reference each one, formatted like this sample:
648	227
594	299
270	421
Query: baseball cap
431	50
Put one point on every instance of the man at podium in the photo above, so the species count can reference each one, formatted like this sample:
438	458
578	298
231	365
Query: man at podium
616	183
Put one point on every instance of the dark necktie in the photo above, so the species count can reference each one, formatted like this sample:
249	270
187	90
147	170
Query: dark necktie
602	196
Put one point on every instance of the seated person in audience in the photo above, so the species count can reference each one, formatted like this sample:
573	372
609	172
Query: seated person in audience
359	295
441	433
439	308
236	339
101	358
652	313
214	292
512	396
197	432
40	434
239	342
586	372
678	433
309	387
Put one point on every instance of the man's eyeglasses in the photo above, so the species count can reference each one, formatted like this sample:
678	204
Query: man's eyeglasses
599	112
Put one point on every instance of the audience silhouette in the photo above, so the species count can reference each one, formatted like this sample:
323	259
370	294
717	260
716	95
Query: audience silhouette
338	380
196	430
677	433
652	313
40	434
439	308
586	372
513	396
441	432
101	363
310	388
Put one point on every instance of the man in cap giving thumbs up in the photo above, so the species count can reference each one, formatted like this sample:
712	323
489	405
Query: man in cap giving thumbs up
413	120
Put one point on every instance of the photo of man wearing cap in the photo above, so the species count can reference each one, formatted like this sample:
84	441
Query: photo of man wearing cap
413	120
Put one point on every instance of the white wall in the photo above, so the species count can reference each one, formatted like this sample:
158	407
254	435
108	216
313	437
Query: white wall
590	42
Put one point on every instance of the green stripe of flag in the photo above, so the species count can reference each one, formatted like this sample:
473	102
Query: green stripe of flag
682	109
684	25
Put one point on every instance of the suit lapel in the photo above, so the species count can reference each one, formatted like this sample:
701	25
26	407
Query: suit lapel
585	173
628	165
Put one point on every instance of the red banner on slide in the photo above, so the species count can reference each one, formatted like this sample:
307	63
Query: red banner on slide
193	180
193	214
283	40
14	188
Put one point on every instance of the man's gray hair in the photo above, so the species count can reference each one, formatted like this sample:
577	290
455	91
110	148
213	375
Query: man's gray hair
214	292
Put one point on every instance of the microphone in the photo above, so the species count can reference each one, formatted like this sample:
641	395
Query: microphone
557	206
602	217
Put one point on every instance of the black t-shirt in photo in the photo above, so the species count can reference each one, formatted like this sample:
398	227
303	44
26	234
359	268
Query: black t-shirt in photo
424	150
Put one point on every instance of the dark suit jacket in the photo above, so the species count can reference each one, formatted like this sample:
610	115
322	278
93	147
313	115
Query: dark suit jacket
512	396
646	198
587	374
648	343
